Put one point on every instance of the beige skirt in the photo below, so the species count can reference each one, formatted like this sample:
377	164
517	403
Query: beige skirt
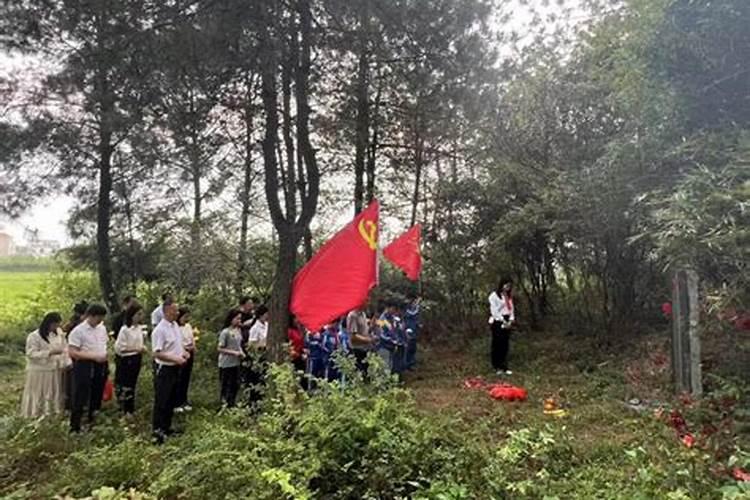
43	393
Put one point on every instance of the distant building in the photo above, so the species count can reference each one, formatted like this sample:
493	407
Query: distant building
6	244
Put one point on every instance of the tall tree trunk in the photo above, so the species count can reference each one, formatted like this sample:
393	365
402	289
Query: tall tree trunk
131	240
196	273
289	226
103	216
418	159
373	147
308	243
363	108
247	184
105	150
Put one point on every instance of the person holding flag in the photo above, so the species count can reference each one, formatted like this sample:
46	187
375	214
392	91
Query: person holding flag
358	327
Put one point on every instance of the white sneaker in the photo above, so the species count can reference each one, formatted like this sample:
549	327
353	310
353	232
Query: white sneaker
187	408
179	409
499	373
508	372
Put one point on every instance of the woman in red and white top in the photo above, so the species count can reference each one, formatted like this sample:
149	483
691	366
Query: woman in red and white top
502	319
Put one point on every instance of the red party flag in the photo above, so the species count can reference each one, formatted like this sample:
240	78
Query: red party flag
404	252
340	276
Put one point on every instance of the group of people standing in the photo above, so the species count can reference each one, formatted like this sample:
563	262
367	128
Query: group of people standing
391	333
68	364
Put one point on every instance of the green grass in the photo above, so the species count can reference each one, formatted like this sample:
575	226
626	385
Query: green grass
601	449
18	287
17	291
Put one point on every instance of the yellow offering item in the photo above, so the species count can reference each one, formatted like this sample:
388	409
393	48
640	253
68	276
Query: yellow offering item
556	413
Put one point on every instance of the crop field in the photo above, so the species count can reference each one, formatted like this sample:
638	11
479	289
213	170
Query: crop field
16	290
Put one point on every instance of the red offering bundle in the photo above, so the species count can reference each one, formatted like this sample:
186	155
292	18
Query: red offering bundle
501	392
506	392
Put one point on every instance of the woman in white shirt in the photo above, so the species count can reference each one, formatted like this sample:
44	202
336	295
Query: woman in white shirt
43	392
129	348
256	339
256	342
186	370
502	319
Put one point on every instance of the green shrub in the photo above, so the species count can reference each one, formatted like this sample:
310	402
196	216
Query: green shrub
126	464
30	450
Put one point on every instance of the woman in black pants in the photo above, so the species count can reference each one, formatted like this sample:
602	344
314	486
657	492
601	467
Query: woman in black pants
502	318
129	348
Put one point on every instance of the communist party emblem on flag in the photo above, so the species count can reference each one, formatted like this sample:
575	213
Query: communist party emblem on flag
404	252
340	276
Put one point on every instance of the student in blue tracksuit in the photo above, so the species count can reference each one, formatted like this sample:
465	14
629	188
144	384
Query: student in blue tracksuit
343	348
390	339
330	346
411	325
317	358
399	355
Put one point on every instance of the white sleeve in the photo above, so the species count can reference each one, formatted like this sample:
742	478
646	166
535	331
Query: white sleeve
36	348
75	339
496	306
155	317
121	344
254	335
158	340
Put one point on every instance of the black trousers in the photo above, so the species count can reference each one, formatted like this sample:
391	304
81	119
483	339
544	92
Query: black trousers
167	378
127	369
186	371
299	369
87	390
67	383
360	358
256	377
230	384
500	346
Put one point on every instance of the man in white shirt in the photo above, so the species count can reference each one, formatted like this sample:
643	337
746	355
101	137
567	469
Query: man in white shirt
169	355
87	347
158	314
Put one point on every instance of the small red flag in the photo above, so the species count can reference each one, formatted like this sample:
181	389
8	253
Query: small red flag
404	252
340	276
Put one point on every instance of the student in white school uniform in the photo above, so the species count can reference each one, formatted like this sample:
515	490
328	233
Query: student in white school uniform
170	355
43	393
502	319
87	346
186	372
129	348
